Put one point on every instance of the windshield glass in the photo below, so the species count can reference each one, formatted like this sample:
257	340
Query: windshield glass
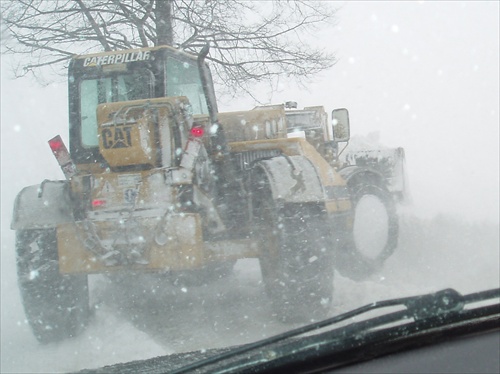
188	232
115	87
183	79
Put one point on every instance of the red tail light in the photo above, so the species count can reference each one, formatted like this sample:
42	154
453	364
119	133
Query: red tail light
197	131
98	203
62	156
56	144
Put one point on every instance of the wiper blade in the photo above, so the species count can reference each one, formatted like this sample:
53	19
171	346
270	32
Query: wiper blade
432	305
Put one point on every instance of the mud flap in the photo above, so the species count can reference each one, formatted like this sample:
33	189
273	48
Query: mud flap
293	180
42	206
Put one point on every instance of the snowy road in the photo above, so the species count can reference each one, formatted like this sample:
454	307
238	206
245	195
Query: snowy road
145	317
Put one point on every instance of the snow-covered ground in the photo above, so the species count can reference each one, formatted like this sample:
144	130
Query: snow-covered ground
146	317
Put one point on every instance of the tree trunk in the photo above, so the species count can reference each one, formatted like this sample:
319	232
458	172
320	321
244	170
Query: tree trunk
163	17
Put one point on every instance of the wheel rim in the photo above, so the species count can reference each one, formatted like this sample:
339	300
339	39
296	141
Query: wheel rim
371	226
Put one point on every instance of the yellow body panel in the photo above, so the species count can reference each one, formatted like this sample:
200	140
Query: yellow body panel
182	248
128	133
261	123
265	123
130	190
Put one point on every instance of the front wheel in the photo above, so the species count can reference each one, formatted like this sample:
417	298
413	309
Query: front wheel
374	234
56	305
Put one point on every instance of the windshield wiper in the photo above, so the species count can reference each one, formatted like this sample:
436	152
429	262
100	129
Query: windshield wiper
433	307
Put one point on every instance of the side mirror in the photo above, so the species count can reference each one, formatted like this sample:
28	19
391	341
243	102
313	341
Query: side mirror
340	122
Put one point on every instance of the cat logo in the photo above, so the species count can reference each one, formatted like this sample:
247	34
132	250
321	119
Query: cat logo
116	137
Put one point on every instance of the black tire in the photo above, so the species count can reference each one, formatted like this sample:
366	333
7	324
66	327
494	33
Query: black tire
56	305
374	236
296	261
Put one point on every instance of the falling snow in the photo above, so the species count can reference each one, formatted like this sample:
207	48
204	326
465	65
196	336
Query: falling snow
392	69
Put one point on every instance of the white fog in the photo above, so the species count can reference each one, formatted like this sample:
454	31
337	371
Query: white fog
419	75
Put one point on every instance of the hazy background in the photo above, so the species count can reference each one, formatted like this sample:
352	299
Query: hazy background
425	76
420	75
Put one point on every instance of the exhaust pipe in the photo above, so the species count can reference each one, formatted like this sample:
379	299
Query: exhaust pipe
229	183
218	142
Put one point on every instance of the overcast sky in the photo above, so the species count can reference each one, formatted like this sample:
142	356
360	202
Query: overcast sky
425	76
421	75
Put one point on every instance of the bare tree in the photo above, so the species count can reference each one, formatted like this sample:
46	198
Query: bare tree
250	41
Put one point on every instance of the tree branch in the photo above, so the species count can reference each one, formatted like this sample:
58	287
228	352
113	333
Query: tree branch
250	42
96	28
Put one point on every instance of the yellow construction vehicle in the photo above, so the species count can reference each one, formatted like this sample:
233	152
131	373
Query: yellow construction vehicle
157	180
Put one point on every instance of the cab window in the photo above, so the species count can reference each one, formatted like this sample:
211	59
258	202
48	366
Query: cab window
183	79
109	89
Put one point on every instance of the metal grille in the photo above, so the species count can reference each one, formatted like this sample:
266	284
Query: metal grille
245	160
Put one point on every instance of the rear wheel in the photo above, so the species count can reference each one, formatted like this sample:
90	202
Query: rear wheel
374	233
295	260
56	305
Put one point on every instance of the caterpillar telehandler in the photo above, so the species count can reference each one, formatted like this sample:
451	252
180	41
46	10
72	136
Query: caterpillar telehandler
157	180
